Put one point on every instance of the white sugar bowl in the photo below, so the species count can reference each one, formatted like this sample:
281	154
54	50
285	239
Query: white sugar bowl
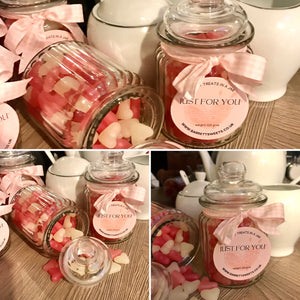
126	31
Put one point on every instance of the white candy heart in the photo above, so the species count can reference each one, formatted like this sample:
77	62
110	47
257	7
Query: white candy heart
73	233
122	259
173	267
108	137
183	226
179	236
83	104
211	294
167	247
127	127
114	268
178	294
124	112
155	248
67	222
59	235
140	134
190	286
176	247
65	84
34	207
185	248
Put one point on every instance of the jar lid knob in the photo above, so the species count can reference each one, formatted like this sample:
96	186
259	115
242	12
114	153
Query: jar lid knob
231	172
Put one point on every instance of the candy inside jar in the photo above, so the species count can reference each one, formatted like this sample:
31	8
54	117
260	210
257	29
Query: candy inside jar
234	246
85	101
174	236
46	220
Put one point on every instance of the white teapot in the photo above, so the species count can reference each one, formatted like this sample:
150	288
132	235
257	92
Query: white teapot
126	31
277	31
263	166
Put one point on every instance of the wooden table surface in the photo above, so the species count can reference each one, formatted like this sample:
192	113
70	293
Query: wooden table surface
269	125
22	277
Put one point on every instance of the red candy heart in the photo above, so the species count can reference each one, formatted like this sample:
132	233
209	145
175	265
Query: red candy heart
205	284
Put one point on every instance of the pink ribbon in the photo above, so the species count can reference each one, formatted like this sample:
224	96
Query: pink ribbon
10	90
134	196
12	181
26	34
244	70
3	28
266	218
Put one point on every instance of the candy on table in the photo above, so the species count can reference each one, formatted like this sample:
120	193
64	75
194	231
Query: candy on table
122	259
64	94
119	258
52	267
185	285
171	244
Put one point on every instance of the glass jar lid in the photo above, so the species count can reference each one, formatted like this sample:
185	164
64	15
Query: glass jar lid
134	13
28	6
232	190
85	261
112	168
206	24
14	159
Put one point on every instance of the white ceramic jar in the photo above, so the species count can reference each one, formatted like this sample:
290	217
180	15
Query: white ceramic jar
126	31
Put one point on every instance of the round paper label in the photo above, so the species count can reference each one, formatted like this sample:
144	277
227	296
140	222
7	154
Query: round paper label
247	255
4	233
9	127
216	111
118	221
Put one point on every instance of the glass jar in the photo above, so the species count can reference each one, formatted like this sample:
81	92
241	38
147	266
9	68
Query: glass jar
169	225
231	257
4	236
161	282
85	261
111	194
82	100
204	93
47	221
50	26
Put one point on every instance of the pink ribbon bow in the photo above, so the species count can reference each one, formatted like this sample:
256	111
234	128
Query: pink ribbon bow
244	70
266	218
12	181
14	89
26	35
134	196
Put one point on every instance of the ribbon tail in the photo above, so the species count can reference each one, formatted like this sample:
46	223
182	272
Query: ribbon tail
76	32
225	231
104	201
5	209
13	90
190	78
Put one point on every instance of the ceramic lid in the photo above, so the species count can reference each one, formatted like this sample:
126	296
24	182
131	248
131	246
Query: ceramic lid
206	23
231	188
134	13
112	168
28	6
85	261
195	188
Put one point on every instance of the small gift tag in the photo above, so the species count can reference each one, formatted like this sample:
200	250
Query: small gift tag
9	127
4	234
116	222
245	257
216	111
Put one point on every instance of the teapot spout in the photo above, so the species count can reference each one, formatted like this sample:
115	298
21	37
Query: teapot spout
209	166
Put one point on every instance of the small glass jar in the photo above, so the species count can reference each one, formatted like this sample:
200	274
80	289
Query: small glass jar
161	220
47	221
85	261
233	263
112	218
4	237
83	100
161	282
203	106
